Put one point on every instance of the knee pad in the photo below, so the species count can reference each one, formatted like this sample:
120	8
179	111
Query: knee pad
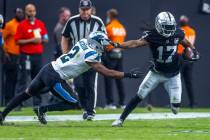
175	107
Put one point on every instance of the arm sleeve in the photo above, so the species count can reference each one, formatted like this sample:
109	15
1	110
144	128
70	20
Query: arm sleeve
101	26
6	31
92	56
146	36
67	29
44	30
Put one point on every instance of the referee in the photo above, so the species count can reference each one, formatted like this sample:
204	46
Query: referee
78	27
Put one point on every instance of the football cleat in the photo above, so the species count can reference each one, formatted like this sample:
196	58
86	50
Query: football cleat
1	118
117	123
84	116
41	115
90	117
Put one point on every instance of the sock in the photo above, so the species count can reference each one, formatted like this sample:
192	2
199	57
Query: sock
130	107
14	103
62	106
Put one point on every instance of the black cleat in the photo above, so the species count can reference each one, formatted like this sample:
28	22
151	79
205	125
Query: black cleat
88	117
41	115
1	118
85	115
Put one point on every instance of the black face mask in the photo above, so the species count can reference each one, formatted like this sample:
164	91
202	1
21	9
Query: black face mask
182	23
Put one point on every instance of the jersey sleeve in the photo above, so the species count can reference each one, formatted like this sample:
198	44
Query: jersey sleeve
101	26
67	29
181	34
92	56
146	35
44	30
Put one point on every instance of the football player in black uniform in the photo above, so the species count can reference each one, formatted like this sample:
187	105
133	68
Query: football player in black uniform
163	41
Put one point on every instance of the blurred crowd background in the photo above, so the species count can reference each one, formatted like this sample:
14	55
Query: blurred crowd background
131	19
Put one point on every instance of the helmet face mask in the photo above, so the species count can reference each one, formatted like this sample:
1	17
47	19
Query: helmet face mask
165	24
98	40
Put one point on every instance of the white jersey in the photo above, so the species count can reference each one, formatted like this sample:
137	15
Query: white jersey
73	63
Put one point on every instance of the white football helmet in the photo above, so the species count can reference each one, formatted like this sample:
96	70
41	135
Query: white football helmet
165	24
98	40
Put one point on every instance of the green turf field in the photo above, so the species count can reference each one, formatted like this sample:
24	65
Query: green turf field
179	129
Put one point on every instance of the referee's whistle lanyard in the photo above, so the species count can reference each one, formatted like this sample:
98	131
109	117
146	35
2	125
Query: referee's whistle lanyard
28	63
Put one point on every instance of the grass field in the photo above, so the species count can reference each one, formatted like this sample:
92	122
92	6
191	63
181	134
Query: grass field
179	129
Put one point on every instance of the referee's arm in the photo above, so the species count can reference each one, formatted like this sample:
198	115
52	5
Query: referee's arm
66	38
65	44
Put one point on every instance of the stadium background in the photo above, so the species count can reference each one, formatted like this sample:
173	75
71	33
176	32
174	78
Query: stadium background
133	14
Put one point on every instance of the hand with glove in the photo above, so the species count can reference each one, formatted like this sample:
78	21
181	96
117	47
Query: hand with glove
115	44
191	54
134	73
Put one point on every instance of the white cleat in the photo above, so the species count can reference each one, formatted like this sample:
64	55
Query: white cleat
117	123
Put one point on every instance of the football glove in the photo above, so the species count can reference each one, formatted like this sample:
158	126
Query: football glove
191	54
115	44
134	73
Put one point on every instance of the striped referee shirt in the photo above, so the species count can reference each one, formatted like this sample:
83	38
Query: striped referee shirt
76	28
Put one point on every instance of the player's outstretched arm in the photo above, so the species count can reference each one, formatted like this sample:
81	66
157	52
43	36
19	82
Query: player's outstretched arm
131	44
112	73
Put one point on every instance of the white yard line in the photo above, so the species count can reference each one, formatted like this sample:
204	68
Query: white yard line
136	116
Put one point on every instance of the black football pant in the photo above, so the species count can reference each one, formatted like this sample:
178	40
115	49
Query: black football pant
116	64
86	87
10	76
47	79
24	74
187	74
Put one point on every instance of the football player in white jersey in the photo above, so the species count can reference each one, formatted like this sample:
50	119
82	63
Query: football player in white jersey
84	55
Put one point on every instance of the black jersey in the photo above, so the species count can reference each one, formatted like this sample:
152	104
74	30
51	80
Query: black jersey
164	51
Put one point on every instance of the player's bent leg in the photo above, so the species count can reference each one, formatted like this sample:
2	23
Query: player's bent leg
175	107
13	104
174	88
128	109
35	86
149	83
63	91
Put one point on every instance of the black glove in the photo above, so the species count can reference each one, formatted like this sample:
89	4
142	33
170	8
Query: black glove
191	55
115	44
196	55
134	73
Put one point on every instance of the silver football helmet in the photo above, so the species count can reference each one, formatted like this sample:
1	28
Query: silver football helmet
98	40
165	24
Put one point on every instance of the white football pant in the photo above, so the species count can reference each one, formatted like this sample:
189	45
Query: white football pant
172	85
